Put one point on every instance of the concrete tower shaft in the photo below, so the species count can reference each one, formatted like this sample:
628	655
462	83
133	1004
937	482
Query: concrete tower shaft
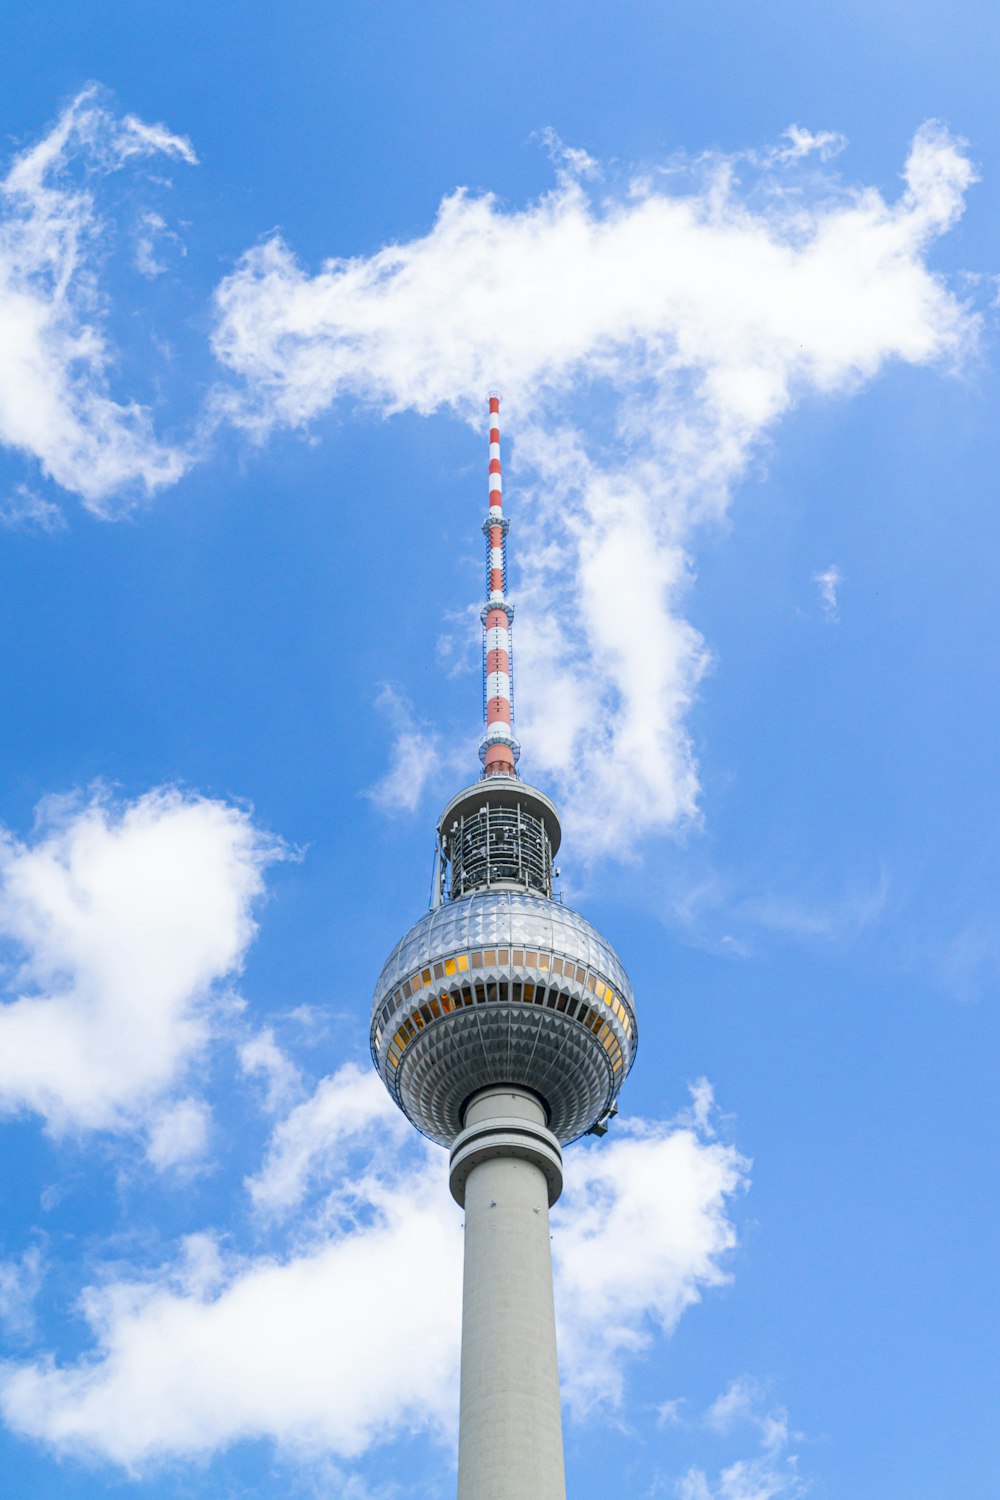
506	1170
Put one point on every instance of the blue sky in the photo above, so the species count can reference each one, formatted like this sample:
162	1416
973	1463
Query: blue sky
734	270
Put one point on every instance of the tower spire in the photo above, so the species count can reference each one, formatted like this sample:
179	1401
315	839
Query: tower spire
498	749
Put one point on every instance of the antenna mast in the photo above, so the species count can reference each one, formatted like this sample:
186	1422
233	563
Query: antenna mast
498	749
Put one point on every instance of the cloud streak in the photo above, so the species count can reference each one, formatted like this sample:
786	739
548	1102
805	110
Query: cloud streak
415	754
828	582
647	340
56	405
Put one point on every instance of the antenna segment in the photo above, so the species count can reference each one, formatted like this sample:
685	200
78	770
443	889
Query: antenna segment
498	749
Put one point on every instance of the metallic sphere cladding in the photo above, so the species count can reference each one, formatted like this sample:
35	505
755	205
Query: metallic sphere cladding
503	986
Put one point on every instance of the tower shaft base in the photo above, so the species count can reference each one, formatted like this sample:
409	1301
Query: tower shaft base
506	1168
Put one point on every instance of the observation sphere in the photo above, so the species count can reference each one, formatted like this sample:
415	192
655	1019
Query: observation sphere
502	985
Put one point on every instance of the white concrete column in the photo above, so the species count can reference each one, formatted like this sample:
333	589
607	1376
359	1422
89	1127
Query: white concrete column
507	1170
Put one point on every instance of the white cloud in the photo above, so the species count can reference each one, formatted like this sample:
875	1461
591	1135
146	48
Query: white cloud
350	1338
309	1351
965	962
310	1141
178	1135
646	342
55	360
152	237
414	757
829	582
835	918
641	1231
770	1474
702	1108
120	925
20	1282
797	907
671	1413
348	1341
800	142
261	1057
26	510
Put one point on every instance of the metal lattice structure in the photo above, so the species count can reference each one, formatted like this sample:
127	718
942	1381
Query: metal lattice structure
500	846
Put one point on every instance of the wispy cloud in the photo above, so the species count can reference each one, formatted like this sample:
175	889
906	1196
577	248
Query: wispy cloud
797	143
829	582
647	339
261	1057
20	1283
152	238
311	1142
770	1473
841	917
414	757
966	961
26	510
178	1133
730	915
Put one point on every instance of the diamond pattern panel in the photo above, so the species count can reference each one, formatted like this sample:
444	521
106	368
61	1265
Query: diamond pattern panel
501	918
558	1058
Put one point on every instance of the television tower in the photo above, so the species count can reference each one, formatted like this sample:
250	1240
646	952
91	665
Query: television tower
503	1025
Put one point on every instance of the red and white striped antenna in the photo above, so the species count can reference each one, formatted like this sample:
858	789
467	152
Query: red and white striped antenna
498	749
